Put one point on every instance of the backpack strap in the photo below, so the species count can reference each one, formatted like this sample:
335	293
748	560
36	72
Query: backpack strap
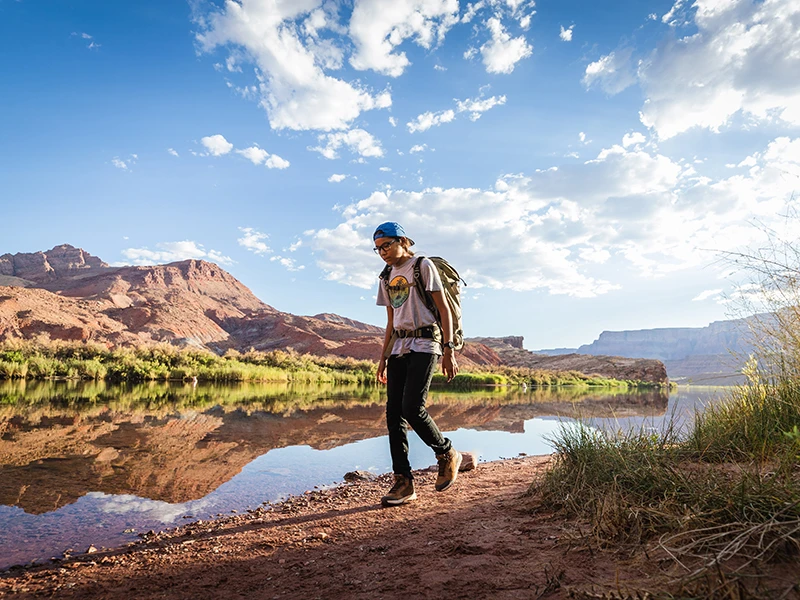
426	296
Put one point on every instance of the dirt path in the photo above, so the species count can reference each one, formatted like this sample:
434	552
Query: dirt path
477	540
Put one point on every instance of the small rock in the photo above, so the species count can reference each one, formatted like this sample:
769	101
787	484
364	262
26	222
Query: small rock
358	476
91	549
107	455
469	461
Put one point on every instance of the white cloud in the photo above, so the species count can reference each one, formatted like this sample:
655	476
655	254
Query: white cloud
594	255
92	45
439	68
502	52
337	178
743	59
276	162
672	17
377	27
386	169
173	152
582	137
418	148
427	120
472	10
254	241
254	154
216	145
613	72
392	121
477	106
125	164
566	34
575	228
631	139
284	40
705	295
172	252
259	156
357	141
289	263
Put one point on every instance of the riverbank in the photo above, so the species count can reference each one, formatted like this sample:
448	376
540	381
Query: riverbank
486	537
482	538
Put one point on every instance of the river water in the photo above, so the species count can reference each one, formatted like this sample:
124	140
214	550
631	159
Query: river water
96	464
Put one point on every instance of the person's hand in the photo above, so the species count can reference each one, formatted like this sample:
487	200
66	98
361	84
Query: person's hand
381	374
449	365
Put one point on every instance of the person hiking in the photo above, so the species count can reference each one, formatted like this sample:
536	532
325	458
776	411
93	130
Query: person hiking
412	345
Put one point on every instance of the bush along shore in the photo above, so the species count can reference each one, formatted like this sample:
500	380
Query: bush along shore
496	375
164	362
721	502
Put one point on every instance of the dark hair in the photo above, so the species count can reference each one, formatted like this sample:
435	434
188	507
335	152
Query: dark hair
406	245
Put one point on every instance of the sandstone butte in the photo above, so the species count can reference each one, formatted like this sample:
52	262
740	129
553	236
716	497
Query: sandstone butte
67	294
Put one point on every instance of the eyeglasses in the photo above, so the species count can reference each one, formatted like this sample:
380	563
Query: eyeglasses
384	247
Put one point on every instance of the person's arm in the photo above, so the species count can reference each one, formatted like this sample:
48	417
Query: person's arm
449	364
381	375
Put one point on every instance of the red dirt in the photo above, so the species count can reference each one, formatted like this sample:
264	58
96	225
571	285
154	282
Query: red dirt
480	539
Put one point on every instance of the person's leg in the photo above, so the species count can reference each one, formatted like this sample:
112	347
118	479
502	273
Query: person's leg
396	374
419	372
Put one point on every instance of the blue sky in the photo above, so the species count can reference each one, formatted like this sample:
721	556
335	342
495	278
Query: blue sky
582	164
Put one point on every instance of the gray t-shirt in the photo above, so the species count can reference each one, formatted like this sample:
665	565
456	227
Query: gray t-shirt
410	311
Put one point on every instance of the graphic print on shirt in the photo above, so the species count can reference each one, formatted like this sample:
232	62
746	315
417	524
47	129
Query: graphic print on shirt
399	289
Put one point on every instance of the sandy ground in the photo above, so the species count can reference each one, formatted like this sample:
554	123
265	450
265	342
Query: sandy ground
483	538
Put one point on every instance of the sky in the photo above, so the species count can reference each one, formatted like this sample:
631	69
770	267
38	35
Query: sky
586	166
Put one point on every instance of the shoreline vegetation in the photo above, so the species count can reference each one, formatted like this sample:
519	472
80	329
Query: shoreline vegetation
721	501
29	360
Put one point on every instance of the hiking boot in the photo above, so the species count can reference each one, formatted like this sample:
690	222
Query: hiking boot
402	491
448	469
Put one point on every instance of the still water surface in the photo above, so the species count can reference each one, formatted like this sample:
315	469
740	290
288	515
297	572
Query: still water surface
92	463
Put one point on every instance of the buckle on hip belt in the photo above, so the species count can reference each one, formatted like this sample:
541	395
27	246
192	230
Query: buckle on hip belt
422	332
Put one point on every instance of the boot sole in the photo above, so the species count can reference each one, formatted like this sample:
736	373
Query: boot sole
455	475
398	501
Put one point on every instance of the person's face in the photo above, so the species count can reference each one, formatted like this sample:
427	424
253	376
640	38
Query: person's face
390	250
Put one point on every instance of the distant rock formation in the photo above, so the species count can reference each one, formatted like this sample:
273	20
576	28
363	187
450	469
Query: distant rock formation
709	355
674	343
41	267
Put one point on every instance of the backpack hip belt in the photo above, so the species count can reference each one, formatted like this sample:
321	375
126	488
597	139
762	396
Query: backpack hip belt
430	332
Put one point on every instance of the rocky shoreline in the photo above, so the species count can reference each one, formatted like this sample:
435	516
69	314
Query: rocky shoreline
483	538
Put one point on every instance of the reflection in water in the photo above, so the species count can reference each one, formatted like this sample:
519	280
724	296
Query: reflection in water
144	456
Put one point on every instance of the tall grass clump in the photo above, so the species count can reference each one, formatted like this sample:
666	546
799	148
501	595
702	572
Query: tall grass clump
625	483
750	424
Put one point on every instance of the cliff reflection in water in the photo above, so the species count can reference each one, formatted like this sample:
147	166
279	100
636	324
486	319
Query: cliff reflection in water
175	442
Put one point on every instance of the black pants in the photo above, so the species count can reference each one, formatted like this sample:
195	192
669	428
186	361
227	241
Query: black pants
408	379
